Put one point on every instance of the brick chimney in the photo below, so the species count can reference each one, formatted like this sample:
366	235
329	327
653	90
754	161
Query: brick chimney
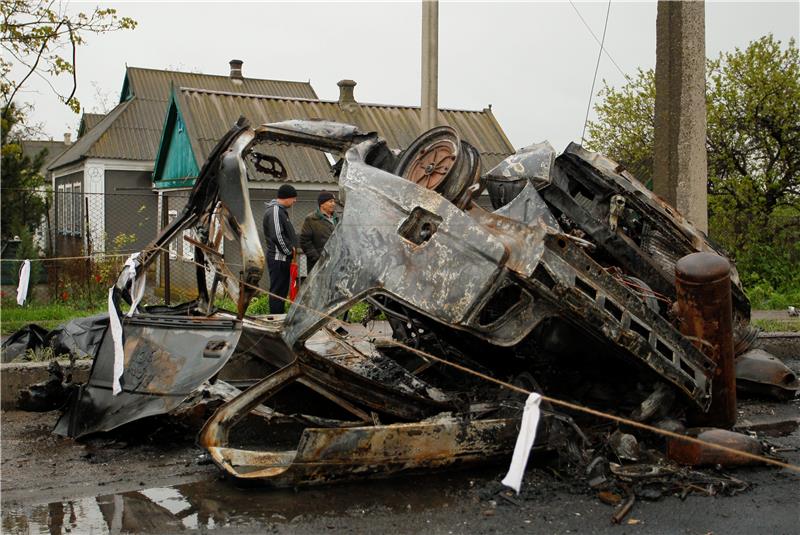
346	98
236	70
67	139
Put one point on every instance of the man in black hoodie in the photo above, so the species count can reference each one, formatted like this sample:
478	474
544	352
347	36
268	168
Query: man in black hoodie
281	242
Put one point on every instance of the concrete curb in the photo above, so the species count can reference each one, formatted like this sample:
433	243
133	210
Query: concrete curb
16	376
784	345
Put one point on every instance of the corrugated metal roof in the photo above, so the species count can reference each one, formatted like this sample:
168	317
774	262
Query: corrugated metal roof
89	121
154	84
32	148
208	115
132	130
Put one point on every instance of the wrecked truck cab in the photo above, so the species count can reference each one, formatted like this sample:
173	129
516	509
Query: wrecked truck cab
494	291
466	262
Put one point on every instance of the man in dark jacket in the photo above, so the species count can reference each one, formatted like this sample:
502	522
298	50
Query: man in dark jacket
281	242
318	227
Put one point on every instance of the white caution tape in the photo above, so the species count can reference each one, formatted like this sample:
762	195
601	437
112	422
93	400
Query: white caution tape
525	440
137	283
24	280
116	336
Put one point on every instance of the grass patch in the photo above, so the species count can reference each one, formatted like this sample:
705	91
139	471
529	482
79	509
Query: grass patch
49	316
771	326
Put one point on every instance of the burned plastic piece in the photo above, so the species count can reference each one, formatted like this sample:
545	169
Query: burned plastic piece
694	454
49	395
29	337
760	373
529	165
624	445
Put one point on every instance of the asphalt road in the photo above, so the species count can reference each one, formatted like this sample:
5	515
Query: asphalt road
156	481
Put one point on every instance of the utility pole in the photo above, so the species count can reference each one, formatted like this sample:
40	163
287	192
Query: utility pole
430	63
680	172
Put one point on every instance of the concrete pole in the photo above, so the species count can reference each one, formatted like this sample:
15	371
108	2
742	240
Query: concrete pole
430	63
680	173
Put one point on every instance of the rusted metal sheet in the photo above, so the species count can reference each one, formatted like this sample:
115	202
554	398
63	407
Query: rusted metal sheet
702	282
328	455
694	454
331	455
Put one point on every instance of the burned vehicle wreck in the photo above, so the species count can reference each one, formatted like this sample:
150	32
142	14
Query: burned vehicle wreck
546	293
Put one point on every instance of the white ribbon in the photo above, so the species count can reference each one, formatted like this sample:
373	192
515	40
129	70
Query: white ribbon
137	283
116	336
525	440
24	279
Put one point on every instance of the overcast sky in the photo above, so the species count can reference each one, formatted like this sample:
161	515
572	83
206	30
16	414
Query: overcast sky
532	61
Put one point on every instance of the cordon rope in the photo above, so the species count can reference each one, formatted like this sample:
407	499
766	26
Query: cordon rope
550	399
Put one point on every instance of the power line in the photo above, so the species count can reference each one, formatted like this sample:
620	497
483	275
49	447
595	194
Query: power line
598	40
596	67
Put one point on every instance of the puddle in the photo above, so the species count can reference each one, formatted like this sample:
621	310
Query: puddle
211	505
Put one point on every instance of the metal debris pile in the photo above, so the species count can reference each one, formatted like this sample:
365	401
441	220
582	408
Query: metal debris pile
567	288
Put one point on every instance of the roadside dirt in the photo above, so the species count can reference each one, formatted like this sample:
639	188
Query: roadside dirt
38	466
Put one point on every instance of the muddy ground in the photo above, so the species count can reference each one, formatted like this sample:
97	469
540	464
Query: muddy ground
150	477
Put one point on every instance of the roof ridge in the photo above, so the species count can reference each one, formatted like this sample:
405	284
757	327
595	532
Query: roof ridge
318	100
216	75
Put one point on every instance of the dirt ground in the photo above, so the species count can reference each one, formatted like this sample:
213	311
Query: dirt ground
150	477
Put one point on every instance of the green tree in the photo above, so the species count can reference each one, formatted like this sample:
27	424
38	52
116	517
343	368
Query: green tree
42	38
753	145
22	208
625	129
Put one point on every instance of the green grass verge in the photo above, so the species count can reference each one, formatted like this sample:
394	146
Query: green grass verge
49	316
787	325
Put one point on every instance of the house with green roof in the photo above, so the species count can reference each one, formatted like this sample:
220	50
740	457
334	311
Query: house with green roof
103	182
196	118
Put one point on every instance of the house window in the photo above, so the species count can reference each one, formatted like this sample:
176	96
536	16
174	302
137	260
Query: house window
173	245
68	209
61	223
77	208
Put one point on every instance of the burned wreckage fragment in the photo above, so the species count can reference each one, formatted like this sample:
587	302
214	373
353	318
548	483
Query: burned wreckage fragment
562	289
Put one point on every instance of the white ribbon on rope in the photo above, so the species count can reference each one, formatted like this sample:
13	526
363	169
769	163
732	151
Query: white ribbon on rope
137	291
24	280
525	440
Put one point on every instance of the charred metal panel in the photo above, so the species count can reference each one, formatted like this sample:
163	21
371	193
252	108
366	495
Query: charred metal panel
367	254
166	359
528	207
529	165
584	293
649	237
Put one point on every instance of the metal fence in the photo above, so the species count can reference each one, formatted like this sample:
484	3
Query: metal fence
85	239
